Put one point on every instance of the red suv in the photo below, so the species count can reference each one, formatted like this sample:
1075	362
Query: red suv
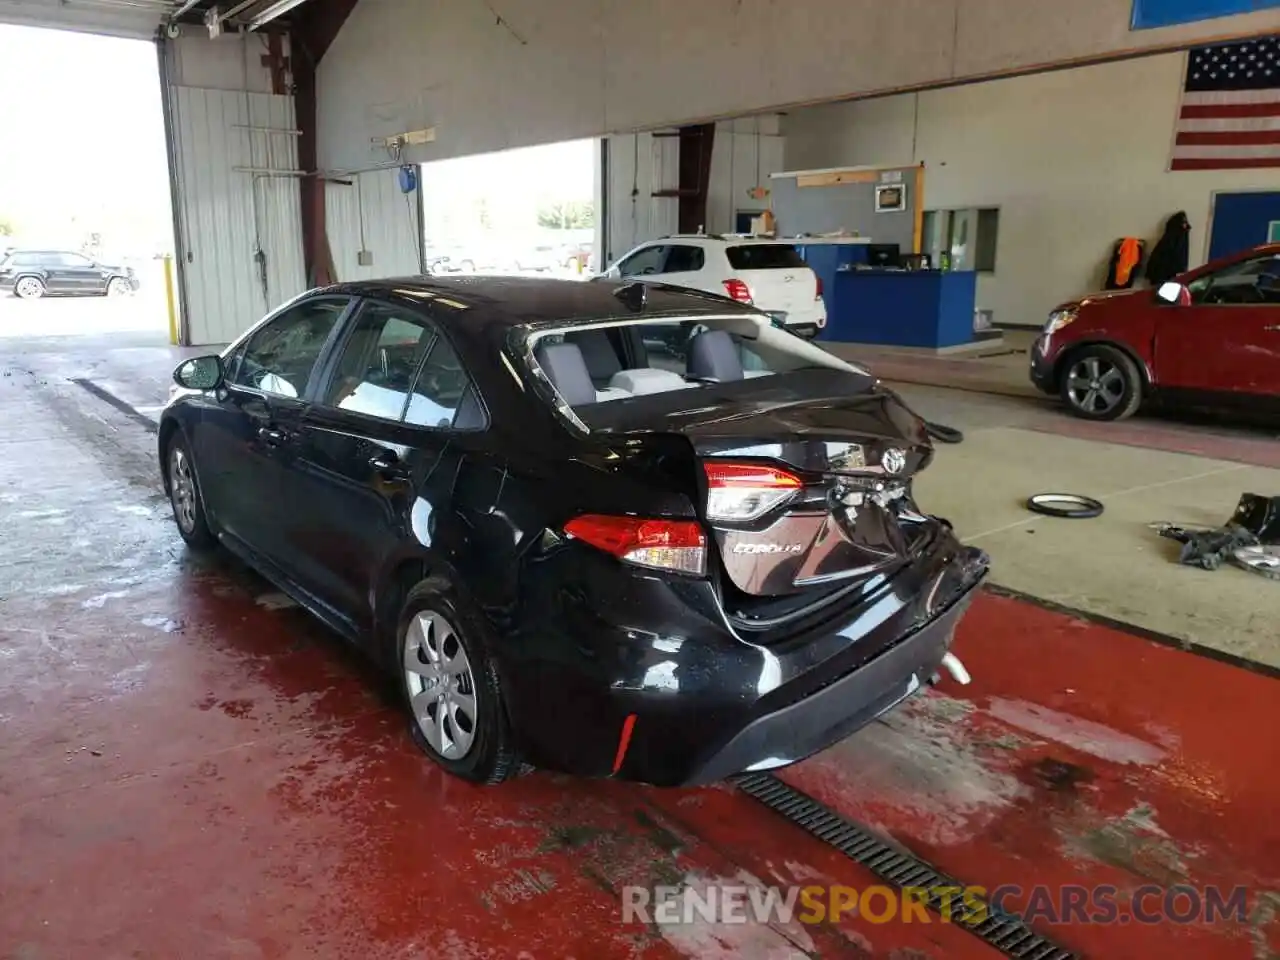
1210	337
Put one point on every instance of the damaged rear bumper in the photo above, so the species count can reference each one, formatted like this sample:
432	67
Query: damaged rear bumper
643	678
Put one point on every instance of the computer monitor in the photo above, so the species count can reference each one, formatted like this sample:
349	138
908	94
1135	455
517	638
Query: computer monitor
884	255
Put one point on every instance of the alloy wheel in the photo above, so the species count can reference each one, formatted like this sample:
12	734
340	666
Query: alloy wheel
29	288
1095	385
183	488
117	288
442	689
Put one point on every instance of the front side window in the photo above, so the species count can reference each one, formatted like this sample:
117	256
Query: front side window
279	358
378	363
1247	283
647	260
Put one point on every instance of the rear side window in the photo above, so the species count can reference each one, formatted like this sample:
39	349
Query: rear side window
764	256
684	259
24	260
378	363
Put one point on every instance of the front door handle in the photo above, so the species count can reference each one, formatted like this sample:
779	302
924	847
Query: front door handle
271	436
1274	328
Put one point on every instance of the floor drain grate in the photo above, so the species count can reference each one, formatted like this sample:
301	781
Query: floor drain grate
1007	934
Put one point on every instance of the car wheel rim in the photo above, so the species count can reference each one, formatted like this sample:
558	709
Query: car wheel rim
115	288
1095	385
184	490
28	288
442	689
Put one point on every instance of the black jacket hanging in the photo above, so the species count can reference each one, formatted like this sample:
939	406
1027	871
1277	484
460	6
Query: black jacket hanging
1170	256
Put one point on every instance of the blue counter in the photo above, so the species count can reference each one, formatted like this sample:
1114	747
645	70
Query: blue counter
903	308
826	257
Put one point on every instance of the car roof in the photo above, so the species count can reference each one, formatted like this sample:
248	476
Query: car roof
519	301
726	239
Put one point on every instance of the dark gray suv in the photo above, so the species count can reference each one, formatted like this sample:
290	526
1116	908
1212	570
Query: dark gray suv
31	274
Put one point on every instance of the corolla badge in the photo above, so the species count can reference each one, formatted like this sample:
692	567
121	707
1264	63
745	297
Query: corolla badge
758	548
893	460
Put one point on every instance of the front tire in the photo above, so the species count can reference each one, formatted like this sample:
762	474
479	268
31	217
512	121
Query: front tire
118	287
185	498
1101	383
450	687
29	288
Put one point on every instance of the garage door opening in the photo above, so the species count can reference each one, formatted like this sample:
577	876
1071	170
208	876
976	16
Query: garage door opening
86	227
527	211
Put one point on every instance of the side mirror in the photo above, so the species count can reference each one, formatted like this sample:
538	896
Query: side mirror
1174	294
199	373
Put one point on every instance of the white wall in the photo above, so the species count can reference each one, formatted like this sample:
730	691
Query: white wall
217	90
638	165
490	76
369	212
740	149
745	152
1074	160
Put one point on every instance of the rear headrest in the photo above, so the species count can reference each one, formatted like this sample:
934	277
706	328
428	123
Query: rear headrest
598	352
567	371
714	356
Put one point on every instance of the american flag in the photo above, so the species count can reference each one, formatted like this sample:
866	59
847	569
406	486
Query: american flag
1230	115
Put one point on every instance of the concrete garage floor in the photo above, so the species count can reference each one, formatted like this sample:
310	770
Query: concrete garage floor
192	767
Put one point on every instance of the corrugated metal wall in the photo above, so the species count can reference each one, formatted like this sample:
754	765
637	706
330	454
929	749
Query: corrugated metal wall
227	214
372	214
639	164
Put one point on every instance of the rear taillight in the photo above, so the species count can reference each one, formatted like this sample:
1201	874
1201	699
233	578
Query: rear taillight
737	290
746	491
818	280
678	545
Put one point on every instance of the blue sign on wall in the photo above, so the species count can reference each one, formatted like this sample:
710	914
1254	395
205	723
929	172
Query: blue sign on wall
1165	13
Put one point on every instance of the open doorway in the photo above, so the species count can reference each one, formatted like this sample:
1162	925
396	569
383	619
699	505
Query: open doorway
525	211
86	228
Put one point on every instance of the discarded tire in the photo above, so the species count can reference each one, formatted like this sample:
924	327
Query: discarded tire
1069	505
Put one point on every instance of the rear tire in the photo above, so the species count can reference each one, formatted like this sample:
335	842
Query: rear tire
1101	383
449	684
29	288
185	496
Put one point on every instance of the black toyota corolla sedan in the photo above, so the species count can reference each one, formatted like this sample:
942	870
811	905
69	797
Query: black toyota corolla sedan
574	540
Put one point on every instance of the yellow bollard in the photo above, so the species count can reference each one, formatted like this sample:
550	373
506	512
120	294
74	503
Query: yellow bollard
171	300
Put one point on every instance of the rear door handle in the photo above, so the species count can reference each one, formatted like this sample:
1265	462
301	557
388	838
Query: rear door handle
1274	328
387	463
271	436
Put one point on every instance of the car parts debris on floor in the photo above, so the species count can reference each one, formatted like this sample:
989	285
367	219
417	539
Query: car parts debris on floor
1249	538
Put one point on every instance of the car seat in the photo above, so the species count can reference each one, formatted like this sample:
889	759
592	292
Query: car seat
565	367
713	355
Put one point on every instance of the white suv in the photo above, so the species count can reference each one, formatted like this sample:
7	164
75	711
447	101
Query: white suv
769	274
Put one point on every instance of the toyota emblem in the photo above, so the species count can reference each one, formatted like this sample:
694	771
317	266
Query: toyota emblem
893	460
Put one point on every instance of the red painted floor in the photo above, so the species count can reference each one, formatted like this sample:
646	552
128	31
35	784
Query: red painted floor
1082	755
189	768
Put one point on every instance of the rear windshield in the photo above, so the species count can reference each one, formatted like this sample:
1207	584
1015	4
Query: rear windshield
625	361
764	256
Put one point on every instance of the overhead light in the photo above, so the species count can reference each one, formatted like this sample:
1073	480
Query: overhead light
270	12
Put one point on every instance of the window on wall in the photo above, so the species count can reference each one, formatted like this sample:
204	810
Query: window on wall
968	238
1164	13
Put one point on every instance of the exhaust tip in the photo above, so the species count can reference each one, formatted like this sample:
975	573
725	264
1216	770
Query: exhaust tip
951	663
